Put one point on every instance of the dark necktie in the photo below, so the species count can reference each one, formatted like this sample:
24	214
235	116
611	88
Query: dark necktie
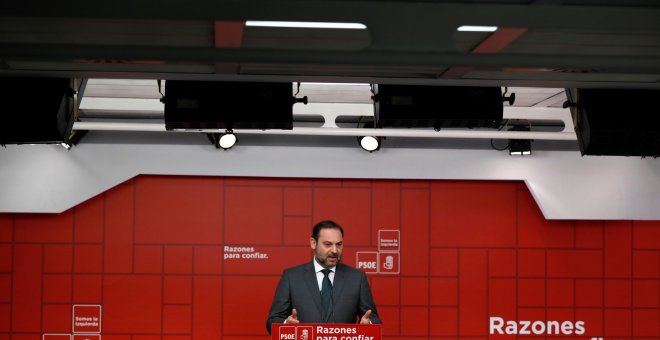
326	290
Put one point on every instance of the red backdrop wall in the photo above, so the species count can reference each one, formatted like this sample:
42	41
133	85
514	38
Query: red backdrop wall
150	251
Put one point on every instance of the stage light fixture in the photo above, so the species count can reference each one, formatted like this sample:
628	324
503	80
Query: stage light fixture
520	147
370	143
39	110
421	106
227	140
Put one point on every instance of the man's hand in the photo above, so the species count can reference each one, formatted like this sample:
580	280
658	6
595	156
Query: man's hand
293	318
365	318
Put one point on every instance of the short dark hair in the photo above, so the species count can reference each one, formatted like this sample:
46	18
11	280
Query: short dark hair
327	224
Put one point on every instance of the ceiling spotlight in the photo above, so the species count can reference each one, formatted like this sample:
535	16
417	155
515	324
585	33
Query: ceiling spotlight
227	140
370	143
520	147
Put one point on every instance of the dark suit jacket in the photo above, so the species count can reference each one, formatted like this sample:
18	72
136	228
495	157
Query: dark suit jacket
299	289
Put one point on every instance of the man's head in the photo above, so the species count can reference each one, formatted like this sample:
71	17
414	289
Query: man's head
327	241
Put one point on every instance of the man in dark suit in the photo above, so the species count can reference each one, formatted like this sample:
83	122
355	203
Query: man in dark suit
323	290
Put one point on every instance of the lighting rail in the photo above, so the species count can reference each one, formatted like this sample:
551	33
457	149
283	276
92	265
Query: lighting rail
321	131
330	127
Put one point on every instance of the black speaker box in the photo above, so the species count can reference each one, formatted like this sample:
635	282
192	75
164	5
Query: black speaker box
194	105
616	122
437	106
35	110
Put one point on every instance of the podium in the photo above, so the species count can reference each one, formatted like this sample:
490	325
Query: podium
325	331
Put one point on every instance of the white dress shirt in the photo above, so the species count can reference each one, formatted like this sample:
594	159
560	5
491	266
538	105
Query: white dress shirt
319	275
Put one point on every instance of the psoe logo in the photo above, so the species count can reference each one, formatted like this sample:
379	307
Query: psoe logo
287	333
367	261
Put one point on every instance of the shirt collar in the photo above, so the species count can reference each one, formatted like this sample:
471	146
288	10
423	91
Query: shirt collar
318	267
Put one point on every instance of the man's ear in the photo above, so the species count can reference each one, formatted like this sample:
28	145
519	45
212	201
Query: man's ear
312	243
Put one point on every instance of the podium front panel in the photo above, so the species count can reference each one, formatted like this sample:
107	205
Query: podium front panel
312	331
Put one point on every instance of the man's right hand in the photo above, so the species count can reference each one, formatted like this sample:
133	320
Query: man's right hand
293	318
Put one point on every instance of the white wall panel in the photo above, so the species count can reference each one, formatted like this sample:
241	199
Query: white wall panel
49	178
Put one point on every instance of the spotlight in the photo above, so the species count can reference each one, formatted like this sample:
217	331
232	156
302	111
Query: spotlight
370	143
520	147
227	140
222	140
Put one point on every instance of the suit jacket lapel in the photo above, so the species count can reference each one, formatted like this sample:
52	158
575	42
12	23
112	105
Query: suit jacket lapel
313	286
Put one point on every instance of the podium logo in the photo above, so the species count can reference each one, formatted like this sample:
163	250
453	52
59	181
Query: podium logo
304	332
288	333
296	333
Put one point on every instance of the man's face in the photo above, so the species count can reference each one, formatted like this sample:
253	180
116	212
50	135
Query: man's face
327	250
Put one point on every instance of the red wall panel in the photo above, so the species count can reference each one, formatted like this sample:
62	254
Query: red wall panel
388	290
44	227
88	220
177	319
296	229
207	260
454	223
207	307
414	232
118	237
5	257
502	298
618	249
589	292
26	288
152	252
444	262
5	288
386	207
241	318
351	207
501	262
132	304
251	208
177	289
178	210
5	324
147	259
87	289
298	201
472	292
178	260
57	288
536	231
58	258
56	317
646	264
647	234
6	227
